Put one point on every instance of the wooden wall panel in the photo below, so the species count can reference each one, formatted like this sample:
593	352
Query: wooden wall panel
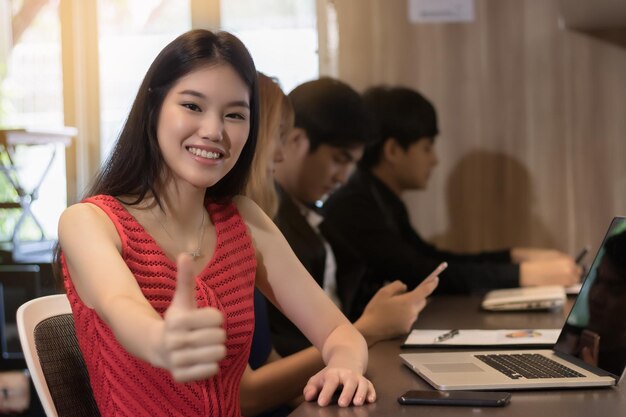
532	119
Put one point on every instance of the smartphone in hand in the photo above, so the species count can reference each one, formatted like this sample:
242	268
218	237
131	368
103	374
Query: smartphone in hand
472	398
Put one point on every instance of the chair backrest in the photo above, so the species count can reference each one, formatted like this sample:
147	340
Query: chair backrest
53	357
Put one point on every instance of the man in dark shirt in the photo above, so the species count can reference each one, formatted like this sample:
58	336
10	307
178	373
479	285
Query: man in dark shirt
368	212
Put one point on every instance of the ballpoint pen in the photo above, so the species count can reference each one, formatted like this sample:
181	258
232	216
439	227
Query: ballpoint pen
446	336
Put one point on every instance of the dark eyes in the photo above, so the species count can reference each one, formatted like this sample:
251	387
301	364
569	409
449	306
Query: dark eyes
237	116
192	107
195	108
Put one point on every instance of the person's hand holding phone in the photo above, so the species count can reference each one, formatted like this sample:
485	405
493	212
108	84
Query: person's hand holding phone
393	310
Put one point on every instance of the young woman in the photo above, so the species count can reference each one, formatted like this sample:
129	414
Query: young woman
160	260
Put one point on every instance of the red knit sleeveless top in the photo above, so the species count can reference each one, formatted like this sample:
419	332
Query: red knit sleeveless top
126	386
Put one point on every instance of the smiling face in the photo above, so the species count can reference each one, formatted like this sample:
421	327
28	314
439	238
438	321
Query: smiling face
203	125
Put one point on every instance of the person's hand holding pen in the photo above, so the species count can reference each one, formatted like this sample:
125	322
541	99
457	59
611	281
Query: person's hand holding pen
581	255
546	267
575	288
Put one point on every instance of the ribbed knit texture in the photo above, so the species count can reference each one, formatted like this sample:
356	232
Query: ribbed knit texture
126	386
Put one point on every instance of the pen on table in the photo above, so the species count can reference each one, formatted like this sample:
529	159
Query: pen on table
581	255
446	336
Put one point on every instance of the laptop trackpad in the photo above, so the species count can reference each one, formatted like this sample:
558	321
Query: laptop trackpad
453	367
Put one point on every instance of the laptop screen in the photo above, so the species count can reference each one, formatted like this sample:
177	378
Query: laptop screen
595	330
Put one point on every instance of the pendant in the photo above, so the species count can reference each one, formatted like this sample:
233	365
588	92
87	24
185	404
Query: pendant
195	254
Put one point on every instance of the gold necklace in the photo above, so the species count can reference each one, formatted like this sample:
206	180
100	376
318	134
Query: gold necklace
194	254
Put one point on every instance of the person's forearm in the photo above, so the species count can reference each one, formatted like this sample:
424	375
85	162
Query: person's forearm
345	347
278	382
136	326
364	328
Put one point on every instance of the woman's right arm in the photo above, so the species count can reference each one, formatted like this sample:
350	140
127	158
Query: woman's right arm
188	342
390	313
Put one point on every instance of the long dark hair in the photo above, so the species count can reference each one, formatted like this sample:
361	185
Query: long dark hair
135	163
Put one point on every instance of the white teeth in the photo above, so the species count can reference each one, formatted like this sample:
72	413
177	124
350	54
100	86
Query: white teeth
204	154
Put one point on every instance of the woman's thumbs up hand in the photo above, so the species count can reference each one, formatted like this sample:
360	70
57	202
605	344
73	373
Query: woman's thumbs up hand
193	338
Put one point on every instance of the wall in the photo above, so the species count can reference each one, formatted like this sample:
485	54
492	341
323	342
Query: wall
533	119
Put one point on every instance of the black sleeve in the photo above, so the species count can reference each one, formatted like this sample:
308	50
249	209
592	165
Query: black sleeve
497	256
389	256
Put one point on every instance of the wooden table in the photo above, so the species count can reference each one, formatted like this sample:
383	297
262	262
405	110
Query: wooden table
391	378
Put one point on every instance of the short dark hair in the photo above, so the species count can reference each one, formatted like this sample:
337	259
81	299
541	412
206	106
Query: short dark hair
136	161
331	113
400	113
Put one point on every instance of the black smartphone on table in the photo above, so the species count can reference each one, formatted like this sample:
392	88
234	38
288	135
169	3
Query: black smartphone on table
472	398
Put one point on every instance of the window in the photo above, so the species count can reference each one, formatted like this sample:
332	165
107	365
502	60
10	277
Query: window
131	34
31	97
280	34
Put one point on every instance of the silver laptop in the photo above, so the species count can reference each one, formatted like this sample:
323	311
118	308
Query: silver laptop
590	351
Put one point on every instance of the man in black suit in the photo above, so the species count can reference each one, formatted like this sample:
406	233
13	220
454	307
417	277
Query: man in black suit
319	154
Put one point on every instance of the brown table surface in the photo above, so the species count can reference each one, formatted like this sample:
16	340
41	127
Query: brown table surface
391	378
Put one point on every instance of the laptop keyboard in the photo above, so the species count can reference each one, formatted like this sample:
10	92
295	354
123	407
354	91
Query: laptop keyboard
528	365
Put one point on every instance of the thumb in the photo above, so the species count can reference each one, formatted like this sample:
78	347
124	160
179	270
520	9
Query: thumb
426	287
185	294
391	289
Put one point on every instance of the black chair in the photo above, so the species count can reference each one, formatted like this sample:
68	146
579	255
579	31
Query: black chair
56	365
